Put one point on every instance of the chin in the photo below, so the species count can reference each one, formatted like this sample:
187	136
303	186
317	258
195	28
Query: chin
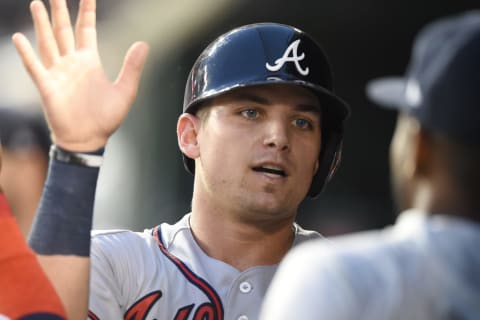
268	199
270	205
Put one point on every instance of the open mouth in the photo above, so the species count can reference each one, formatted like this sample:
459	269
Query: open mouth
270	170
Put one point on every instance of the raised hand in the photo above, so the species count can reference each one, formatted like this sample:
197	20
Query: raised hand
83	108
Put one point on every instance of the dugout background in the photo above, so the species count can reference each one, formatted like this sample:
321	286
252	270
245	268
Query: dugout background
144	183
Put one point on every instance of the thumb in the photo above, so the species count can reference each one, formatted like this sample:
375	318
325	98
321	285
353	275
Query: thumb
129	76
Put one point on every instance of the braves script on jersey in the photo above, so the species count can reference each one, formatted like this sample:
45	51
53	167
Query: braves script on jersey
163	274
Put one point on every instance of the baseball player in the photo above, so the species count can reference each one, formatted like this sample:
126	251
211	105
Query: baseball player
261	129
26	292
427	265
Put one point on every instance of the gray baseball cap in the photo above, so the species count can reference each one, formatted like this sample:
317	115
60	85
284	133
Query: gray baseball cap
441	86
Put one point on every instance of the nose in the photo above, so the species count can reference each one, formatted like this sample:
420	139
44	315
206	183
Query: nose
277	135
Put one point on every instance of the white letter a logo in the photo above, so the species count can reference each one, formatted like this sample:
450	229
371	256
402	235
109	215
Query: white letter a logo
290	55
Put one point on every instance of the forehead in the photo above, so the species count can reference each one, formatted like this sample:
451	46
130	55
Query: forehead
272	94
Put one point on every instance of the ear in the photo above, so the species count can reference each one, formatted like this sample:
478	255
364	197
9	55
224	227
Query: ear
188	126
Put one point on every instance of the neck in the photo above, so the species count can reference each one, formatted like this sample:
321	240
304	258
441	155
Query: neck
241	244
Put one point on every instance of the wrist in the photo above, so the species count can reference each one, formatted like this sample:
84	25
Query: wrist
84	159
82	145
65	213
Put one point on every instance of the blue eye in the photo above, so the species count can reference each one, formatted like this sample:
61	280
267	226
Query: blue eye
250	113
302	123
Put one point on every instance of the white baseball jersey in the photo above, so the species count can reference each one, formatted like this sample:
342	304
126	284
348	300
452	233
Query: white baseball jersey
163	274
424	267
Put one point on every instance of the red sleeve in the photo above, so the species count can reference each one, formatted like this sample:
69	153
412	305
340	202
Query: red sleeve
25	289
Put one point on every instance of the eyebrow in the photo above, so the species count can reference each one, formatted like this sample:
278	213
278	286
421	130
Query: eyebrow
304	107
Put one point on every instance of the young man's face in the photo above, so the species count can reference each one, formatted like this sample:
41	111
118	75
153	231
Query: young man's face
259	149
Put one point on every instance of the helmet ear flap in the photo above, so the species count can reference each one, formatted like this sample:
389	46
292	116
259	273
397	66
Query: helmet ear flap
337	158
189	164
329	159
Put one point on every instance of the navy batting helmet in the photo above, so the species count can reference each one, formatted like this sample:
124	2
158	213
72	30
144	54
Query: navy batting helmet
266	53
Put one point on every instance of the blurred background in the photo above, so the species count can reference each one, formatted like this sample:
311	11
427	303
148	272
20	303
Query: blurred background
143	182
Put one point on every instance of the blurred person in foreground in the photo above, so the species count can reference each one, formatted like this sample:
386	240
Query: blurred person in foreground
26	293
26	141
427	265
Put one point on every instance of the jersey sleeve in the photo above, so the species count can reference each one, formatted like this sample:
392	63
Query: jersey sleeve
26	292
117	275
106	279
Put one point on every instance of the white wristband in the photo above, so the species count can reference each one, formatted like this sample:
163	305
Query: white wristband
77	158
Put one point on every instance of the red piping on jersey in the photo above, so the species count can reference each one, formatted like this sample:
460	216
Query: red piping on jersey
92	316
191	276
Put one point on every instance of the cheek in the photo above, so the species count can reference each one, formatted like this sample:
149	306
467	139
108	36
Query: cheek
306	161
310	153
224	148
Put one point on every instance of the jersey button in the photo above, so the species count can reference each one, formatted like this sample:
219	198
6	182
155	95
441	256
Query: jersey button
245	287
243	317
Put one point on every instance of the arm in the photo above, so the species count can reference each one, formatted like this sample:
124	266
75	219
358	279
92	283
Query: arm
61	233
83	109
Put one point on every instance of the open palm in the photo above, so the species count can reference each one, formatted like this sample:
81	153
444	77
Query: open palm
83	108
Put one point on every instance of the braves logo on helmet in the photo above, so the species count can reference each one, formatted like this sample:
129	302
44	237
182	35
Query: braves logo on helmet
290	55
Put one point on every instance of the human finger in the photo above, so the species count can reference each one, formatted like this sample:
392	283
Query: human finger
46	43
129	76
62	27
85	29
32	64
